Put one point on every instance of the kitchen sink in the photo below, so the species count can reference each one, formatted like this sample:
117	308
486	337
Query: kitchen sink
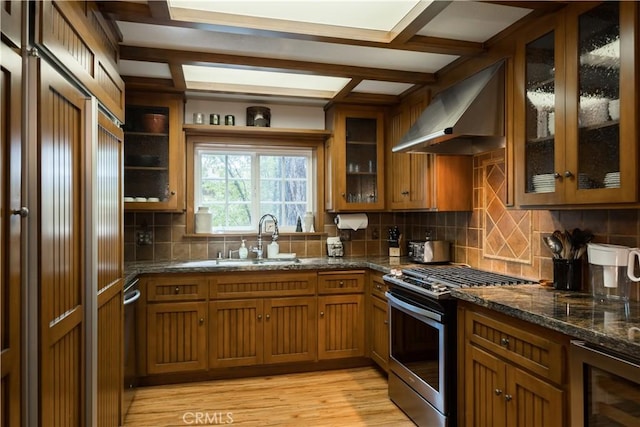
228	262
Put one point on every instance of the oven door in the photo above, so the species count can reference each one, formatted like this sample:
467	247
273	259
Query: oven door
418	348
605	388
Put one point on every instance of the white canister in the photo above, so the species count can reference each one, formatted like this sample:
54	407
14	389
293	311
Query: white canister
203	220
308	222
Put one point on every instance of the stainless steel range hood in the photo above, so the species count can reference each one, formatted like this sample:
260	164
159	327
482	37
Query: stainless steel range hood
466	118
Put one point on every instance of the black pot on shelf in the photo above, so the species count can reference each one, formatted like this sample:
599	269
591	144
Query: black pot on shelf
259	116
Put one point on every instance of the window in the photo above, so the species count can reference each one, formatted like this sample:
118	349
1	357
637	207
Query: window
239	185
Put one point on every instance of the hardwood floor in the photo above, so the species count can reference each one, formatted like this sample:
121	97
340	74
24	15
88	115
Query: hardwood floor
349	397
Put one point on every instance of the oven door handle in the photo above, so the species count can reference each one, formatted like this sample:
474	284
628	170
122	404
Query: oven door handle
413	309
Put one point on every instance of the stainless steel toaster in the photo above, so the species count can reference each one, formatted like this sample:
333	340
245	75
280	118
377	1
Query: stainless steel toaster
429	251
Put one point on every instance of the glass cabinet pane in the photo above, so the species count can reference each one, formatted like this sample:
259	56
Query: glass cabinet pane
146	154
361	160
599	97
540	114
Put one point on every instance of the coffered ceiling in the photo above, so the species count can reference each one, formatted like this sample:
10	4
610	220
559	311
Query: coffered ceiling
305	51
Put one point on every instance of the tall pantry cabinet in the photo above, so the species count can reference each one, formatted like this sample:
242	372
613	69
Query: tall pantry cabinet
61	191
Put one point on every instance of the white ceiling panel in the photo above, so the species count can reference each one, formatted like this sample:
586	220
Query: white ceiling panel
156	70
473	21
373	15
383	88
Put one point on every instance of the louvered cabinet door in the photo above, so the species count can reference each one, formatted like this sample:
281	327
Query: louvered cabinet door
340	326
290	329
176	337
236	333
379	324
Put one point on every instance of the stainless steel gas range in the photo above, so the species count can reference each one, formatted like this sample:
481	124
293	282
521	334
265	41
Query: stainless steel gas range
422	326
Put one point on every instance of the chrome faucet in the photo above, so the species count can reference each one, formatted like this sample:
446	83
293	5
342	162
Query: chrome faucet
258	250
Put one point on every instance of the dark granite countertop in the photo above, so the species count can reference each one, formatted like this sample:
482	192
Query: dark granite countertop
579	315
574	314
382	263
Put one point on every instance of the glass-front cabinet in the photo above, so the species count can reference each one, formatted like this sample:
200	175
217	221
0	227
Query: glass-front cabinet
153	153
355	175
575	107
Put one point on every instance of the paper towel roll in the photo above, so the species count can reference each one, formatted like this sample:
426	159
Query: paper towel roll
352	221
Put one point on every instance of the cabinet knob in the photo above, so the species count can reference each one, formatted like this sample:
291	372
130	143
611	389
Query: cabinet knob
344	195
556	175
504	341
341	283
23	212
378	287
508	397
405	193
568	174
268	316
259	316
202	321
498	392
386	322
177	290
322	314
173	193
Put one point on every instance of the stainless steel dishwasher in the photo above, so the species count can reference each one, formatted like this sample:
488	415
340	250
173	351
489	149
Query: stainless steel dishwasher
131	295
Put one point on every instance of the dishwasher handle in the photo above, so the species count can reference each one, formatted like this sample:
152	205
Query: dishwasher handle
131	297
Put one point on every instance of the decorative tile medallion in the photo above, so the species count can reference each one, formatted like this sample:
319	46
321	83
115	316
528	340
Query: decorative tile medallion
507	232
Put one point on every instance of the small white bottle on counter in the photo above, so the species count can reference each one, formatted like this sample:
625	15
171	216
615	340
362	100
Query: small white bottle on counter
243	252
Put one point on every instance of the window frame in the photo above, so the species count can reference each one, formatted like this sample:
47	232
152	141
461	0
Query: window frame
251	138
255	153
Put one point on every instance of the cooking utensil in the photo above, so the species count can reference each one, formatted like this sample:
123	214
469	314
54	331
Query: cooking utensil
554	244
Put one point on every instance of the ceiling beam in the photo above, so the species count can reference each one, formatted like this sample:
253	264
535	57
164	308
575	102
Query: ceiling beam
135	53
417	20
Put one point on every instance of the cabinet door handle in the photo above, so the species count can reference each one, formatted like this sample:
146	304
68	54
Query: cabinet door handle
378	287
177	290
322	314
556	175
568	174
173	193
508	397
202	321
386	322
259	316
504	341
405	193
268	316
23	212
341	284
498	392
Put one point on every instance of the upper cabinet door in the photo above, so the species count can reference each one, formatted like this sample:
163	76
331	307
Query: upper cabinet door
154	154
576	112
356	177
601	99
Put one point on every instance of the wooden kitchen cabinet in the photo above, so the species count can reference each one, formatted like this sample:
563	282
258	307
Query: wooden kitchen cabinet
262	331
173	320
421	180
154	163
378	321
513	373
576	107
354	159
262	319
341	314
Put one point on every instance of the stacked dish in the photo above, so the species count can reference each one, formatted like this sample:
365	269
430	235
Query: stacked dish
612	180
544	183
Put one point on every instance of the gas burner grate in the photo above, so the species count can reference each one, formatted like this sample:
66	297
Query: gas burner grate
463	276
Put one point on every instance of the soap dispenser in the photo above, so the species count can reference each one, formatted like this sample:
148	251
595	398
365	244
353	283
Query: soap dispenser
243	251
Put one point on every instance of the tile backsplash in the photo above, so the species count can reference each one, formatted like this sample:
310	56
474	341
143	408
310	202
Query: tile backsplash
466	230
